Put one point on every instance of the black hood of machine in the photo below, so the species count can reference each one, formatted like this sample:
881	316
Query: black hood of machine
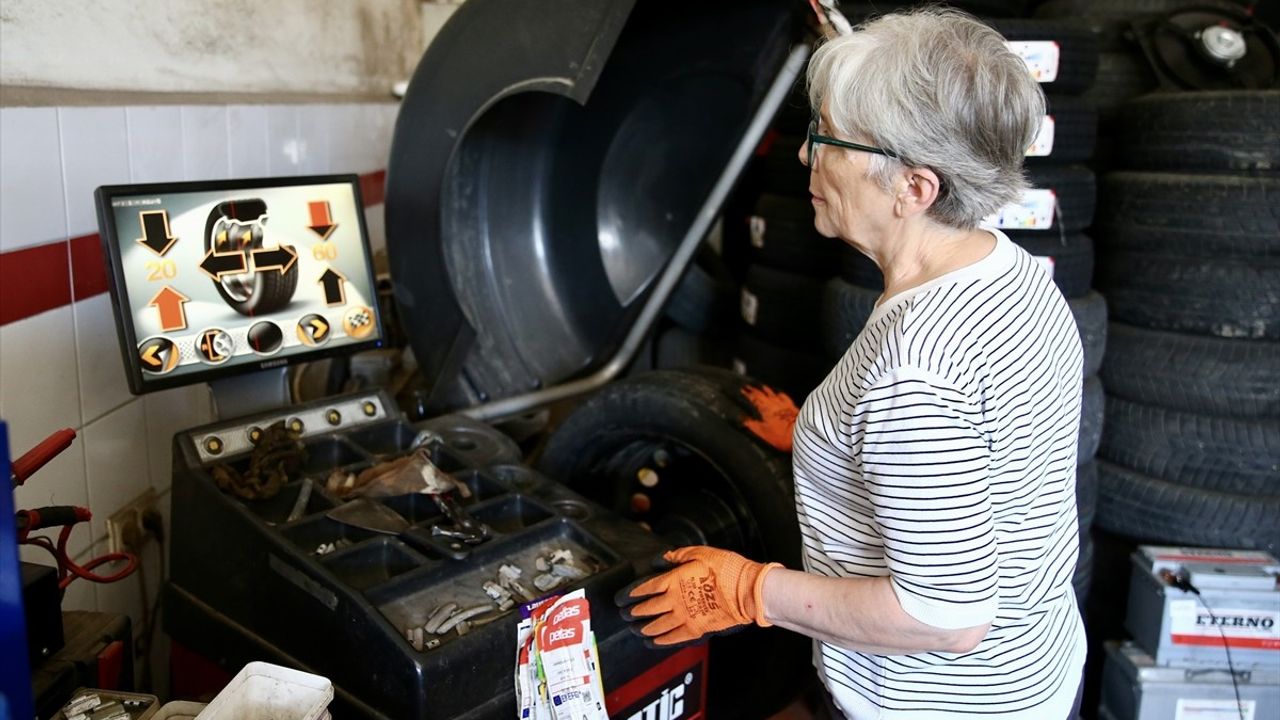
548	161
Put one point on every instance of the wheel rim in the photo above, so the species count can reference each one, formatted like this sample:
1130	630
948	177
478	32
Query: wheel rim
240	287
680	494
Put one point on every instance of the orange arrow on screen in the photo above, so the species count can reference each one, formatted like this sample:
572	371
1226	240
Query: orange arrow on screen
169	302
322	223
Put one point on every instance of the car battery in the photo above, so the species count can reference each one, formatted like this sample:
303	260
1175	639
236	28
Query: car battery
277	578
1188	606
1134	687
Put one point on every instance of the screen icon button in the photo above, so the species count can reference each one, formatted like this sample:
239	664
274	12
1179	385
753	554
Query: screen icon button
265	337
158	355
358	322
313	330
215	346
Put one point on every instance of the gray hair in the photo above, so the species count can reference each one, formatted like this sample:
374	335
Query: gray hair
941	90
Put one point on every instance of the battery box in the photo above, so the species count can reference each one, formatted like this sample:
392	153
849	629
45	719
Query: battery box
1134	687
1238	607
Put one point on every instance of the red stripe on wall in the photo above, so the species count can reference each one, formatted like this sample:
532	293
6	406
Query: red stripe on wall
36	279
33	280
88	269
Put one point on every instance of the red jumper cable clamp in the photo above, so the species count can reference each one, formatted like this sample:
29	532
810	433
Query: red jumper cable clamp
64	516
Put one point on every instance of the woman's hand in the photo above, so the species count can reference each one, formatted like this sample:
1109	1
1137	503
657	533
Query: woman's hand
709	591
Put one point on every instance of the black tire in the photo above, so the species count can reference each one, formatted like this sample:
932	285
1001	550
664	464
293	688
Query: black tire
1093	402
783	308
1072	256
1074	189
1122	76
779	170
783	237
1086	495
1201	451
1137	506
1209	216
795	373
860	270
991	8
697	420
1212	376
1090	313
845	309
1082	580
706	300
1214	131
1108	19
857	12
1077	50
675	347
255	292
1075	133
1227	298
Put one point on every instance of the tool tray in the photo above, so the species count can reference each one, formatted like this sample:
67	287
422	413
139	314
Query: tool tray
336	600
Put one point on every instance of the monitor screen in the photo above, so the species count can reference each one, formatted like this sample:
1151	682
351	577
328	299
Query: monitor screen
210	279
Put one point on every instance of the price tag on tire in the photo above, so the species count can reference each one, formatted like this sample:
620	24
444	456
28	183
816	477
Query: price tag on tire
750	306
1041	56
1034	211
1042	146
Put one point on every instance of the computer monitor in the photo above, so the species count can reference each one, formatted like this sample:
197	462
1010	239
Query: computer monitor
212	279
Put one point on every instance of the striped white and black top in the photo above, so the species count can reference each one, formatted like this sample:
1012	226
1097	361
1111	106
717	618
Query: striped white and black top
941	451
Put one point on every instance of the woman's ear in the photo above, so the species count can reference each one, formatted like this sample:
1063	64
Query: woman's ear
919	190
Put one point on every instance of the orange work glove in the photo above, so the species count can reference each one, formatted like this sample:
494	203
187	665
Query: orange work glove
709	591
777	416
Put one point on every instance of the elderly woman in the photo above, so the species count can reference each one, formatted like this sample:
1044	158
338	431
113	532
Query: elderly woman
935	465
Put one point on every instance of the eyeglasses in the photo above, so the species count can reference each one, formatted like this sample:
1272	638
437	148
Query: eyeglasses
815	139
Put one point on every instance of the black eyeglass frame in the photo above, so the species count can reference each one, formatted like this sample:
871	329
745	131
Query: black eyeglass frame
815	139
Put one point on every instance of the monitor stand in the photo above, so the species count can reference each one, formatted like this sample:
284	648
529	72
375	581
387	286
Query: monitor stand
250	394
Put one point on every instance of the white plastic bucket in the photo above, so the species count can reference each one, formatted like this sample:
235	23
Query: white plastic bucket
262	691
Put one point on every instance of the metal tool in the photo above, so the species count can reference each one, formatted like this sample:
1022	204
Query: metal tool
462	526
375	517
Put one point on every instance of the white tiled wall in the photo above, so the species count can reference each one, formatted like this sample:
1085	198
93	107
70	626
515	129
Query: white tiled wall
95	151
62	368
31	207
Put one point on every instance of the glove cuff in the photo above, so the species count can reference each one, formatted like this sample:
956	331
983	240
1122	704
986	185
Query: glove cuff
757	595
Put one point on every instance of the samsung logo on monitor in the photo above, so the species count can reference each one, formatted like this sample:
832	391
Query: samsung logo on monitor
273	363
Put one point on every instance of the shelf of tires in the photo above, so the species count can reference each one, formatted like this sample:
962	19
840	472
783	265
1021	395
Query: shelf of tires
1189	238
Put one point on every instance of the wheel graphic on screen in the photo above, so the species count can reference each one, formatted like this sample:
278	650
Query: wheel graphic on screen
261	280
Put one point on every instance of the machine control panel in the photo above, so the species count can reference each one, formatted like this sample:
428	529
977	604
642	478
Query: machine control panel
216	442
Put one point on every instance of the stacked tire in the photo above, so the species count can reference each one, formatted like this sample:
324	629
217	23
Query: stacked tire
1190	243
780	262
1123	71
786	337
780	306
698	320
